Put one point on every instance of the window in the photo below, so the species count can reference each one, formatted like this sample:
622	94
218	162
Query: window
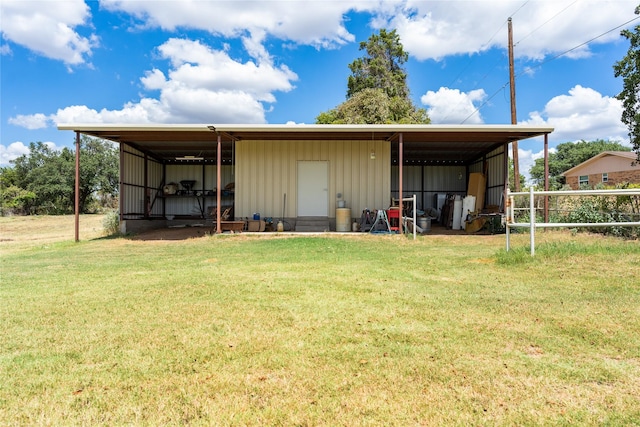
605	177
583	180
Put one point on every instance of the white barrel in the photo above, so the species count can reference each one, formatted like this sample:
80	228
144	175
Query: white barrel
457	213
343	219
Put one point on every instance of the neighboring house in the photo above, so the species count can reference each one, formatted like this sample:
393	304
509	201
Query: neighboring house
298	171
608	168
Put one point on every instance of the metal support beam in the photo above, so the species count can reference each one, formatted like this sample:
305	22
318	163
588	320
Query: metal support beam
505	168
77	189
546	177
219	184
400	169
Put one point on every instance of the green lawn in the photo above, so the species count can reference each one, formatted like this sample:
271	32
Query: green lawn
320	330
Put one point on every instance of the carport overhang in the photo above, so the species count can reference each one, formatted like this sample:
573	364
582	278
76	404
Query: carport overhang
410	144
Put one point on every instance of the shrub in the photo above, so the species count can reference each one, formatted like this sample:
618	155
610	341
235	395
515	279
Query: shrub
111	223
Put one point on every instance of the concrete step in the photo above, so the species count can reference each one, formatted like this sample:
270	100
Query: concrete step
308	224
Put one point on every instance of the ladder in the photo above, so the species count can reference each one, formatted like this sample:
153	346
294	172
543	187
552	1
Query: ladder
381	224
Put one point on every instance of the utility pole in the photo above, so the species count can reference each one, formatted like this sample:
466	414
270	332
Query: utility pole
514	120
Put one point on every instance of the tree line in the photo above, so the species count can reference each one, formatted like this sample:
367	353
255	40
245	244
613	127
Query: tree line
42	182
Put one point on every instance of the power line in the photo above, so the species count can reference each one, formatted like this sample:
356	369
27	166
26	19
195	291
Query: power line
468	64
580	45
546	22
547	61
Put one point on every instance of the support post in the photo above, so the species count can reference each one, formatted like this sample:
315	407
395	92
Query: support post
121	194
546	177
218	184
147	191
77	189
400	173
505	167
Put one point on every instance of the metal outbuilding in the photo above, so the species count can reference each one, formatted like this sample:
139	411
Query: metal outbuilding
251	167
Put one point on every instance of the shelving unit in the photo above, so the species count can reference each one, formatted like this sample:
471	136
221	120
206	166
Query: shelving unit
201	198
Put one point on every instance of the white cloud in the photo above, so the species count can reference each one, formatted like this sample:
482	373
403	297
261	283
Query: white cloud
450	106
203	86
527	158
306	22
17	149
154	79
433	30
48	28
429	30
12	152
32	121
583	114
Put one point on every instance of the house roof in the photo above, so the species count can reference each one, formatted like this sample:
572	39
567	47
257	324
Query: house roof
624	154
430	144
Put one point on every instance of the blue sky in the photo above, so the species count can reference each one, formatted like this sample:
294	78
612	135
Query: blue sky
199	61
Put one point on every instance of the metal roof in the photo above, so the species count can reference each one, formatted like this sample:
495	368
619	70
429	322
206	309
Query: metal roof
427	144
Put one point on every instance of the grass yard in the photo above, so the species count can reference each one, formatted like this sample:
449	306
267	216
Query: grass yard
317	330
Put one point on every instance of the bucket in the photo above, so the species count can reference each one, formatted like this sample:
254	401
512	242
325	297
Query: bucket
256	217
343	219
424	223
341	203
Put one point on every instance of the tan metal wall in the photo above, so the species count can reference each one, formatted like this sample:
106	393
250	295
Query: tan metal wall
267	170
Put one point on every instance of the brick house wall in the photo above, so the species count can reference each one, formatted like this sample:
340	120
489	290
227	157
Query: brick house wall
630	176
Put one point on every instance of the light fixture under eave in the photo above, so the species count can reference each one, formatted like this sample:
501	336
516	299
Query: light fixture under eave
189	158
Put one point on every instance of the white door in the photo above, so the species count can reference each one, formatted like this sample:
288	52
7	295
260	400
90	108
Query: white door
313	195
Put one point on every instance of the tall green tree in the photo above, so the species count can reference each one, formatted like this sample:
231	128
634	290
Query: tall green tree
377	90
13	199
381	67
568	155
629	69
50	175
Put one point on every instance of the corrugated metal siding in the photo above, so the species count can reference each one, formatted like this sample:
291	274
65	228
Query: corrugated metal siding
154	181
132	190
267	170
495	175
132	185
425	181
